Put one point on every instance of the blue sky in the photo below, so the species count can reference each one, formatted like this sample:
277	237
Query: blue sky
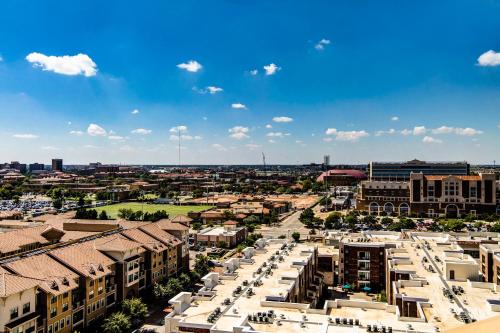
360	81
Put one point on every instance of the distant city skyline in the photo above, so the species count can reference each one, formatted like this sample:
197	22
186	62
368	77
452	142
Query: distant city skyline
118	84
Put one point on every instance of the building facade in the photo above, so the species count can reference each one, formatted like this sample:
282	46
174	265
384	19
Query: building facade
402	170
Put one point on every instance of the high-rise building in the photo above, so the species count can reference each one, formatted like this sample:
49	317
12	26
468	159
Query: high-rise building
57	164
36	167
18	166
326	160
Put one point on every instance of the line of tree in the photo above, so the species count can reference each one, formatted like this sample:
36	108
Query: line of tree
131	215
91	214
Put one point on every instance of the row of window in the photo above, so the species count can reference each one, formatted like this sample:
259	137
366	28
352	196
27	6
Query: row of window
96	306
59	325
14	312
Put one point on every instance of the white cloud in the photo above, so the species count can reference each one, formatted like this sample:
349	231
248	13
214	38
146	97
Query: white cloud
430	139
185	137
239	132
254	72
468	131
238	106
321	44
269	126
142	131
271	69
252	146
395	118
443	130
489	58
219	147
419	130
328	139
135	111
50	148
77	133
346	135
275	134
96	130
116	138
271	141
191	66
180	128
79	64
389	132
406	132
214	90
25	136
204	118
282	119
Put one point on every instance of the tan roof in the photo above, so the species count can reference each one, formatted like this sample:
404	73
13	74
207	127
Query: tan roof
14	240
11	284
230	222
146	240
85	259
54	277
116	243
166	224
155	230
182	219
131	224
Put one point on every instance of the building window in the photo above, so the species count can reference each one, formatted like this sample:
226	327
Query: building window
364	255
430	190
53	313
56	326
91	294
14	313
68	320
61	323
65	307
49	329
91	283
53	300
65	295
26	307
473	192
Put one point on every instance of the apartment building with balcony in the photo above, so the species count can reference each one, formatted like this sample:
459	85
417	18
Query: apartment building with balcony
172	257
362	263
18	303
129	258
181	232
96	280
155	258
58	287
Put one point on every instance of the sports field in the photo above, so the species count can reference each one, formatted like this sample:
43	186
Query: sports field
172	210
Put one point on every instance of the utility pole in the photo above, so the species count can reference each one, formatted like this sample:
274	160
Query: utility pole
179	133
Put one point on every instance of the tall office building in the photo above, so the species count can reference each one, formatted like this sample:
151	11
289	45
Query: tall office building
326	160
36	167
402	170
57	164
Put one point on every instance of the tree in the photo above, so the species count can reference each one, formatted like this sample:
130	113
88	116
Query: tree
103	215
57	203
453	225
296	236
351	221
495	227
201	265
184	280
81	201
118	322
135	308
307	216
333	221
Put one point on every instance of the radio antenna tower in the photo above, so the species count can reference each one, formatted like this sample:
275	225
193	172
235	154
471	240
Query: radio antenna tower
179	133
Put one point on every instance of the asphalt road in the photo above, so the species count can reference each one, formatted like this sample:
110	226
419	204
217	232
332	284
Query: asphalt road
285	227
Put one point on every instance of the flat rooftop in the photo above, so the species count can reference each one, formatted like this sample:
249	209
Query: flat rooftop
193	310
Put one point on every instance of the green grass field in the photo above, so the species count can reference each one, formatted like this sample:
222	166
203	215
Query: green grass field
172	210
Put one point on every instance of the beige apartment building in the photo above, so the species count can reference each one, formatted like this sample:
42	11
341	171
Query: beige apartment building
18	303
58	286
